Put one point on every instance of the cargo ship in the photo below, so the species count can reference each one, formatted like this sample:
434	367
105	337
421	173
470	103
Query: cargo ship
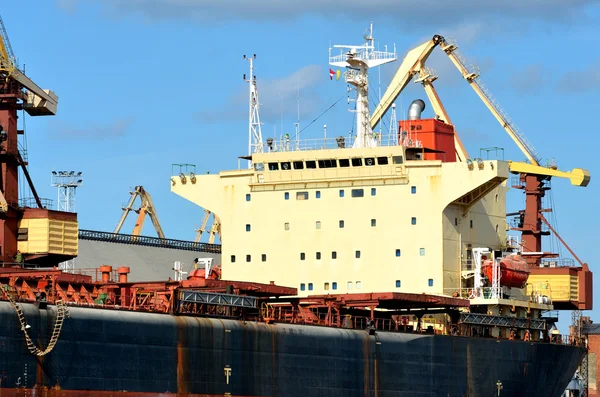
360	265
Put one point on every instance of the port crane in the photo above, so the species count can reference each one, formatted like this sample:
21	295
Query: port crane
532	174
146	208
215	228
17	92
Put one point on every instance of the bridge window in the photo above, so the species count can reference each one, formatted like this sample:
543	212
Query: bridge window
302	287
232	258
373	191
344	162
286	226
341	193
356	162
349	284
357	254
311	164
326	286
333	255
302	256
298	165
285	165
422	251
369	161
248	258
318	224
341	224
247	196
397	159
413	190
413	220
259	167
310	286
398	284
264	257
334	285
398	252
248	227
358	285
318	256
273	166
327	163
382	160
318	194
373	222
286	195
430	282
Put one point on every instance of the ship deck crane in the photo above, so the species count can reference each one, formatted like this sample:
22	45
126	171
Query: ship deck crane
146	208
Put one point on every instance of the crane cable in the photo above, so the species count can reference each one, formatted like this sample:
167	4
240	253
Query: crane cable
62	311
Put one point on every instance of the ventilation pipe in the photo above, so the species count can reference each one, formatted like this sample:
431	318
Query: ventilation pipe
415	109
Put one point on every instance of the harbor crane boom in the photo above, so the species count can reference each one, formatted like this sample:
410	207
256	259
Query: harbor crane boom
147	208
36	101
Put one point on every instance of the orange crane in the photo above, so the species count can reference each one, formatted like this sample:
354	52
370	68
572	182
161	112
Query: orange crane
146	208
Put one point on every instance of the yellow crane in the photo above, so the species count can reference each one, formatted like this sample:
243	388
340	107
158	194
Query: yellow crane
36	101
414	65
215	228
146	208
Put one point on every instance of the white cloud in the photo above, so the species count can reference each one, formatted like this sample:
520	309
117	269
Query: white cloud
409	14
109	130
275	96
587	79
529	79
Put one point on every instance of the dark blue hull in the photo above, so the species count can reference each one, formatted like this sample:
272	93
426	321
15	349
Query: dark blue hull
113	353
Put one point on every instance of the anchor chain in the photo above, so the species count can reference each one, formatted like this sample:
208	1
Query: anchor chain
62	312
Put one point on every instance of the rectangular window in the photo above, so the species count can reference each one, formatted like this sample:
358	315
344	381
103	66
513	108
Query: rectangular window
247	196
318	255
413	220
286	195
301	195
422	251
232	258
318	224
356	162
286	226
349	284
397	159
357	254
398	284
341	224
373	222
334	285
318	194
398	252
344	163
413	190
430	282
285	165
369	161
273	166
358	285
302	256
311	164
341	193
327	163
259	167
373	191
248	258
264	257
382	160
358	192
247	227
471	223
326	286
302	287
455	221
333	255
310	286
298	165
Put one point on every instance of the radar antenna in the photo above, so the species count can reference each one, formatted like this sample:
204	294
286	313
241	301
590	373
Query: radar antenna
357	60
255	143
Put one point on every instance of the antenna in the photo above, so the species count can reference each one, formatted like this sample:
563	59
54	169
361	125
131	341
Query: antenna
255	144
357	60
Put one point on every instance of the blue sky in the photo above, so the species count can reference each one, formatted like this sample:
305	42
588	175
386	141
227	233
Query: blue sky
144	84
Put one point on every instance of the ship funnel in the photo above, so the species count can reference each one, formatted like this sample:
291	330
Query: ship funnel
414	110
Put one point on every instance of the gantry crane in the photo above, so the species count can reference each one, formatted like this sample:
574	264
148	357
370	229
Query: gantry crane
17	92
215	228
532	174
146	208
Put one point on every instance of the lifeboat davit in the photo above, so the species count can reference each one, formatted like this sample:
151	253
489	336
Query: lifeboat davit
514	271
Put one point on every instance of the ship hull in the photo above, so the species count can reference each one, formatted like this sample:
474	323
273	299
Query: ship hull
119	353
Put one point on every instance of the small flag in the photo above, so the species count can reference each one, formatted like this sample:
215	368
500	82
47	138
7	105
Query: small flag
331	74
337	75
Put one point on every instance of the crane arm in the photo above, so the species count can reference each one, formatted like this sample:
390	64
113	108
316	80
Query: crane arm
578	176
486	97
148	207
409	67
126	211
